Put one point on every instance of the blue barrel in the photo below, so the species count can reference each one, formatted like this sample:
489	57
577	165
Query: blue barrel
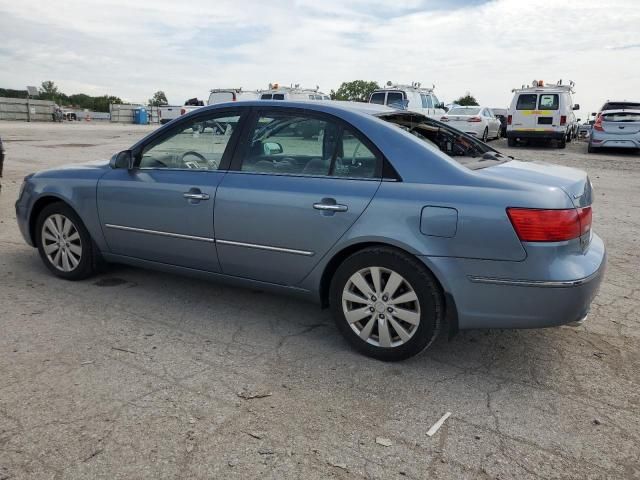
140	116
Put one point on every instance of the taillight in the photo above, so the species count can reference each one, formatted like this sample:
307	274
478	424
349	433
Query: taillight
183	111
563	120
535	225
598	124
444	119
474	119
509	119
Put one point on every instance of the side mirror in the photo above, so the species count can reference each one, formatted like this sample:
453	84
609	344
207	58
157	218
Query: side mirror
579	120
576	107
124	159
594	113
272	148
441	106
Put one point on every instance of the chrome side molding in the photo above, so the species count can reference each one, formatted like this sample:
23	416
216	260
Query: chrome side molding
265	247
162	234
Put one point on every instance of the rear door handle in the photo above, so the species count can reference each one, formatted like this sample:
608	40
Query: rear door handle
196	196
330	207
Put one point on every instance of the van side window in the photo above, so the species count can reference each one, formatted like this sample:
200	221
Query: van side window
549	101
426	100
436	102
527	101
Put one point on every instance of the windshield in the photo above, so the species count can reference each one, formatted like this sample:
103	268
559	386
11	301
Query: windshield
621	117
464	111
463	148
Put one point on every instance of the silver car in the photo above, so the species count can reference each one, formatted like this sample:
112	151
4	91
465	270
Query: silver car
397	222
616	129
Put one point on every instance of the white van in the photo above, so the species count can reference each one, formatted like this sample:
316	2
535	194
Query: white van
409	97
544	112
276	92
222	95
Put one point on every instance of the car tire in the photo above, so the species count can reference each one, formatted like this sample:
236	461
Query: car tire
378	325
562	143
590	149
511	142
64	243
485	135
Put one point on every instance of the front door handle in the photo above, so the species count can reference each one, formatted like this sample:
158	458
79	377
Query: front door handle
196	196
331	207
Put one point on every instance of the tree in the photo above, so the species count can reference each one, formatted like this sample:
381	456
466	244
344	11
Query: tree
49	91
355	91
467	101
159	98
101	104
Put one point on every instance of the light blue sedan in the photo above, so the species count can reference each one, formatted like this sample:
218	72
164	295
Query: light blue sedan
397	222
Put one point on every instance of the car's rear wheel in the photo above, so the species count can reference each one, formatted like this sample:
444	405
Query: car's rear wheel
64	243
590	149
386	303
562	143
485	134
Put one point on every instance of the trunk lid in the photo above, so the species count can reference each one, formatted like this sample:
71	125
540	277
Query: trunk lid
574	182
621	123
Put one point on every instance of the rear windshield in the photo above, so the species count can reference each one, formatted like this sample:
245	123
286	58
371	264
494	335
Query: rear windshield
621	117
621	106
527	101
461	147
549	101
464	111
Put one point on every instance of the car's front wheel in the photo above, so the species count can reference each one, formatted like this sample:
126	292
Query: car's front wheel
386	303
64	243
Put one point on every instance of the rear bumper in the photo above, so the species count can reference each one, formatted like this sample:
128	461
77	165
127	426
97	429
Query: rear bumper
605	140
498	295
527	134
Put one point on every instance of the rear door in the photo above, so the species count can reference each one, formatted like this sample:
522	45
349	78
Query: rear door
525	117
162	209
290	195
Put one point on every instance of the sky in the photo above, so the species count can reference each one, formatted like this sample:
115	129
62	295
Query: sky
131	48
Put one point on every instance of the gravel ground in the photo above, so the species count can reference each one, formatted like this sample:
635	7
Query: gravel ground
138	374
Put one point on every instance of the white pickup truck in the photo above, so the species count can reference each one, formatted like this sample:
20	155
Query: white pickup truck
166	113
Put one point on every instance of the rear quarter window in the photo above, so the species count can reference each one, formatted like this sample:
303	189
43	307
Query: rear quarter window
527	101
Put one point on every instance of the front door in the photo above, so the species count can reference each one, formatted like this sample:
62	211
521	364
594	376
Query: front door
162	209
299	183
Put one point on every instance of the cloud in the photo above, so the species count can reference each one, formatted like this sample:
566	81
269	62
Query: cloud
131	49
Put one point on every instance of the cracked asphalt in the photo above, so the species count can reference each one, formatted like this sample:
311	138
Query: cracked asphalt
139	374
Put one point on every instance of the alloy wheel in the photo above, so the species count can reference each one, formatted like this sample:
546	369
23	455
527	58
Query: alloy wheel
61	242
381	307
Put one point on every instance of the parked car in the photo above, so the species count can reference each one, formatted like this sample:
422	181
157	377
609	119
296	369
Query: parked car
542	111
166	113
276	92
477	121
615	129
191	105
393	220
501	114
412	97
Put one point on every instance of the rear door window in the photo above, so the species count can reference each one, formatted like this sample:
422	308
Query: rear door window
527	101
266	96
395	99
549	101
378	98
